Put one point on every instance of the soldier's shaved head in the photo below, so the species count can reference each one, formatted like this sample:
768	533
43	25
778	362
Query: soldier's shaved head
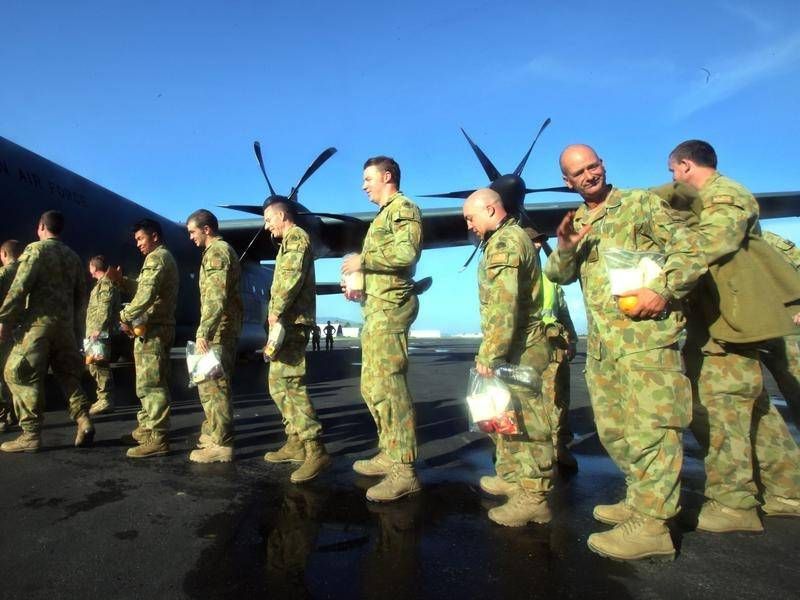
483	211
583	171
573	152
11	248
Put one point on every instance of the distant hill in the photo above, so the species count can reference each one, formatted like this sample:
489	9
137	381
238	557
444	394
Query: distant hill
344	322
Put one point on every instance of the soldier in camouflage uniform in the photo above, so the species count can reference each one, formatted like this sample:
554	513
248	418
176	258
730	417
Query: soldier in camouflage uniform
563	340
101	318
152	314
729	400
640	397
510	290
388	260
293	304
46	295
9	253
782	355
221	313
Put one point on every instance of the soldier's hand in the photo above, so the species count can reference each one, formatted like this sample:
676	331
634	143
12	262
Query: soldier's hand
568	238
483	370
796	319
94	335
126	329
351	264
201	345
114	274
649	304
272	319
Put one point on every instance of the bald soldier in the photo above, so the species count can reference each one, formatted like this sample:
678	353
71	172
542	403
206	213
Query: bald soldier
746	298
293	304
42	304
510	291
221	314
640	397
155	297
388	260
9	253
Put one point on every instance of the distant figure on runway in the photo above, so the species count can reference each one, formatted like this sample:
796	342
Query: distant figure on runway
339	330
388	259
316	333
329	331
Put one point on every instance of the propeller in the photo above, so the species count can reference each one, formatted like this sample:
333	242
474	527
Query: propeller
260	159
521	165
318	162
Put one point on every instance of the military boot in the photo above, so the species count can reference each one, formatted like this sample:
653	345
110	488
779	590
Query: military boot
317	459
638	537
212	453
497	486
156	444
204	440
291	451
380	464
101	407
29	441
84	437
135	437
522	508
777	506
613	514
401	481
718	518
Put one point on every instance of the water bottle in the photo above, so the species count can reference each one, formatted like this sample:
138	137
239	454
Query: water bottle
519	374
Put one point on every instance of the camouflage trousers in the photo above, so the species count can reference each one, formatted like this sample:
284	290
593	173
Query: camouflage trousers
527	459
287	386
40	346
742	435
215	397
6	401
384	384
555	391
641	405
151	357
781	356
104	380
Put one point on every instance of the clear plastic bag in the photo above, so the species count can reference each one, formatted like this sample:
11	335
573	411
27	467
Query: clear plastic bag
202	367
353	284
277	333
490	406
630	269
95	351
520	375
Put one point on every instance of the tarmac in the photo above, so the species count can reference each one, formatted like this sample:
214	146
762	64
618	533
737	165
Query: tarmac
91	523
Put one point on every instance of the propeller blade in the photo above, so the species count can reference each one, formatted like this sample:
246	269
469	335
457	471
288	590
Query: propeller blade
255	237
562	188
340	217
423	285
464	194
248	208
521	165
257	148
325	155
471	256
491	170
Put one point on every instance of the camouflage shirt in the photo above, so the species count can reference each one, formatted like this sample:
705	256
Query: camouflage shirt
632	220
7	274
510	291
155	290
221	307
103	306
390	253
293	293
50	278
787	248
555	309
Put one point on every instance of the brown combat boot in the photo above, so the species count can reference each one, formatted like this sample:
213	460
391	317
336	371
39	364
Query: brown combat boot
29	441
613	514
718	518
637	538
204	440
777	506
135	437
101	407
522	508
156	444
317	460
212	453
84	437
291	451
401	481
497	486
380	464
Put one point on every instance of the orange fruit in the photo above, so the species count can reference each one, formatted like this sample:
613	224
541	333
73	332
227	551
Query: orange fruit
627	303
139	330
89	359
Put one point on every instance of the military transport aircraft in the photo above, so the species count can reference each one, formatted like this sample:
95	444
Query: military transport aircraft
98	222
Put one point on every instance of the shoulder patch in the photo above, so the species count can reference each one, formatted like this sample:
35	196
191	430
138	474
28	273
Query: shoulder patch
723	200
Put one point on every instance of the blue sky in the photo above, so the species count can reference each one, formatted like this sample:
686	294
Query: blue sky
161	102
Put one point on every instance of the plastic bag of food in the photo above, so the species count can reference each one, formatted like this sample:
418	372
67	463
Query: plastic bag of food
353	284
277	333
139	326
490	406
95	351
630	270
202	367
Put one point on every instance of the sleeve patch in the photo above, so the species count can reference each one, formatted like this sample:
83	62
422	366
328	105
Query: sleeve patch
723	200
